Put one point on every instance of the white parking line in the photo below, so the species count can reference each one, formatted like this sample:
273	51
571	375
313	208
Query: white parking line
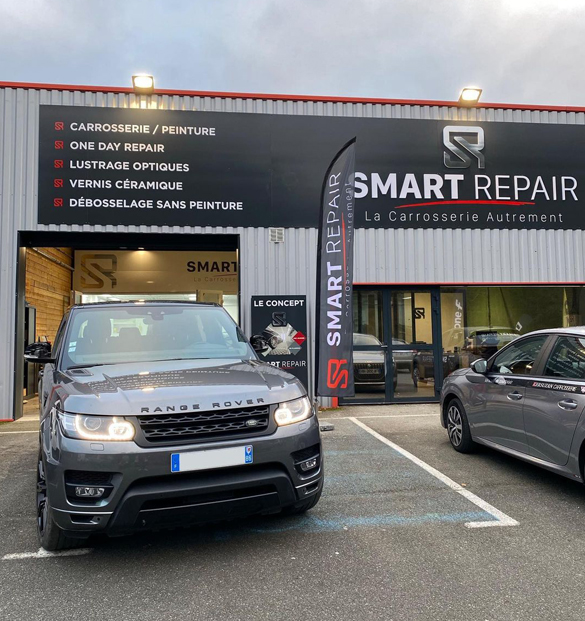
42	553
501	518
5	433
380	416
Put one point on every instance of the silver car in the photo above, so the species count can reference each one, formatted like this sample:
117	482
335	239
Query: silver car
527	400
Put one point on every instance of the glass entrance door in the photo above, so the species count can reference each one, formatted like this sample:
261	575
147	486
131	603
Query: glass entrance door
414	324
396	345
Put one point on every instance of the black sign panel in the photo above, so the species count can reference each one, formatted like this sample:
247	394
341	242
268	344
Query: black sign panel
335	278
282	321
153	167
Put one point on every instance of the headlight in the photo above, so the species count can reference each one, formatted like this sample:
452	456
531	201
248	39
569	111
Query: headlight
104	428
293	411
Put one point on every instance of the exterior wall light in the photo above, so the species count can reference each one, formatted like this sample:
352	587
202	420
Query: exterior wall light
143	84
469	96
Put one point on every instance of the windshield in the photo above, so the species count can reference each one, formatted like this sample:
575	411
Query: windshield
140	333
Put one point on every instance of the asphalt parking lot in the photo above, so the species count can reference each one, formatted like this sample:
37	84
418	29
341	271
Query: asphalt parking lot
407	529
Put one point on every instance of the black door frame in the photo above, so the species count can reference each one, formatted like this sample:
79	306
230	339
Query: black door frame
436	347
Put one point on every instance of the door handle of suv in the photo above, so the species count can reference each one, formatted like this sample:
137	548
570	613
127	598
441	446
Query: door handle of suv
567	404
515	396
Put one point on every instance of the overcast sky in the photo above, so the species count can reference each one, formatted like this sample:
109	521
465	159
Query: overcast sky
520	51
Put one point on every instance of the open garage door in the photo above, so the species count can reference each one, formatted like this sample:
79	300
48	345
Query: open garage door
60	269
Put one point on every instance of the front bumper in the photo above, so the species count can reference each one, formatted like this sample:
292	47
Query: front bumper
145	493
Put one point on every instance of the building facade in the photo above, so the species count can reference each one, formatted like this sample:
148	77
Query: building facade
468	221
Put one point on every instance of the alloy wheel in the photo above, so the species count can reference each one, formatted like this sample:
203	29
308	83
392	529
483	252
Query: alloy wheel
454	425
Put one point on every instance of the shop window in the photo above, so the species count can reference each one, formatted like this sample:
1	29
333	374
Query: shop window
477	322
367	314
567	359
412	317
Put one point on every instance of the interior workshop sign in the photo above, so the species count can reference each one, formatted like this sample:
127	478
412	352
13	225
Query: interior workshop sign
112	166
161	271
282	321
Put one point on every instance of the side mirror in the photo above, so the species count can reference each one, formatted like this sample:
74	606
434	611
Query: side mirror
479	366
38	353
259	343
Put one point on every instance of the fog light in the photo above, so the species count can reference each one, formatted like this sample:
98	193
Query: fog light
89	492
309	464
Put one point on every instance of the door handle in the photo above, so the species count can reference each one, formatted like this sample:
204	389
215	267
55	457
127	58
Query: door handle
568	404
515	396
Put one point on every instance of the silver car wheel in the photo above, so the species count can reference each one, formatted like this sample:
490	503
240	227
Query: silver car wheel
454	425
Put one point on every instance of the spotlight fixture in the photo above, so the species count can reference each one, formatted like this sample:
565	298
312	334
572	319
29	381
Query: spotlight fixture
469	96
143	84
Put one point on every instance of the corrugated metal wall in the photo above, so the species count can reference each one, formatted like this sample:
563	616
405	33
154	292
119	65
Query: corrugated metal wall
390	256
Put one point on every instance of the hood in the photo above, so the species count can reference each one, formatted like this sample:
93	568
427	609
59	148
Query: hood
374	356
461	371
137	388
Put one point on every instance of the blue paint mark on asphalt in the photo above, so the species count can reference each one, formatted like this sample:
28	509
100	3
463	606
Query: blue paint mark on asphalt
313	524
367	485
336	453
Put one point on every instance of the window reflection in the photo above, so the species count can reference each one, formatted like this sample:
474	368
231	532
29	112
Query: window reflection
476	322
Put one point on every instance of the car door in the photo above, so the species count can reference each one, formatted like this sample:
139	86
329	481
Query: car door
555	400
46	375
500	419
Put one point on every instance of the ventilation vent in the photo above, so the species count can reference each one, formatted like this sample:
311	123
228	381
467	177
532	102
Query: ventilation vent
276	235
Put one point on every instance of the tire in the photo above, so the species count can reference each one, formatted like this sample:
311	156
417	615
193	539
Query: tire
304	506
415	375
458	427
51	537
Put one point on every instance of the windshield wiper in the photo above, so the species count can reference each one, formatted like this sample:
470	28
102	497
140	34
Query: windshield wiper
103	364
97	364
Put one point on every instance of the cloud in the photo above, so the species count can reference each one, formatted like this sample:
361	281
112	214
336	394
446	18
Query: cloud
518	51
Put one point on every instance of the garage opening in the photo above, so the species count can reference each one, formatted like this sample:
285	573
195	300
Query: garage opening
60	269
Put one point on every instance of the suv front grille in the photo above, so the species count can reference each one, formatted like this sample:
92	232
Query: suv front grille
82	477
369	370
177	427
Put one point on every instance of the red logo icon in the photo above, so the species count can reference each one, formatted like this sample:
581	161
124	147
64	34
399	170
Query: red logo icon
59	126
299	338
337	375
58	183
58	163
58	202
59	144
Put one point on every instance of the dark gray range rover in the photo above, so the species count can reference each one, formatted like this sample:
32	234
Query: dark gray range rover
157	415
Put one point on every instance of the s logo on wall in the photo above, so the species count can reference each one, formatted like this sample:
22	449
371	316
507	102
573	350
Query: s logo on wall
282	322
96	270
461	155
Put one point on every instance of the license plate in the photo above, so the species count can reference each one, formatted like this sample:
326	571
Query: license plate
369	371
214	458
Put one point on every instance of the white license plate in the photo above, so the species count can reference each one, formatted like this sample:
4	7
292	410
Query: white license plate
214	458
369	371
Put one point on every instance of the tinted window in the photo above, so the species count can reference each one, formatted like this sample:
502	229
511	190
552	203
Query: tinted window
567	358
59	335
519	357
140	333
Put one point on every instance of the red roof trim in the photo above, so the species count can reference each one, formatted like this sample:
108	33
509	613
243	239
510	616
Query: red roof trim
281	97
421	284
